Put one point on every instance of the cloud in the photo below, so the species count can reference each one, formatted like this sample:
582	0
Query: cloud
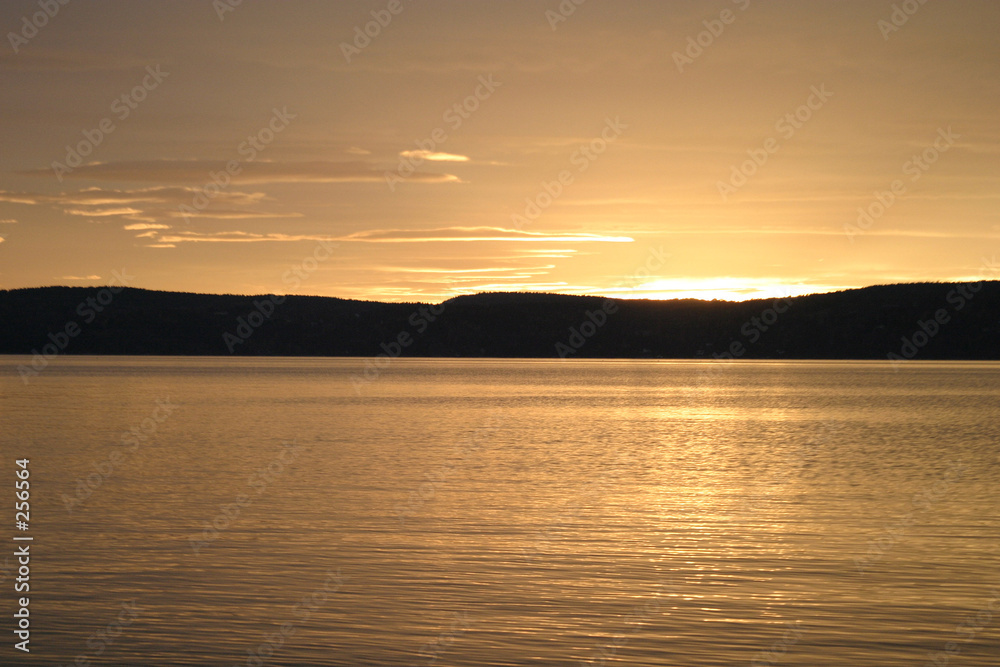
147	205
442	235
18	198
237	237
449	234
102	212
200	172
534	253
8	221
80	278
611	201
145	225
231	215
95	196
434	157
521	271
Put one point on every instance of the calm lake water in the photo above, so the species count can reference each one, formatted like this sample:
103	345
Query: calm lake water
495	512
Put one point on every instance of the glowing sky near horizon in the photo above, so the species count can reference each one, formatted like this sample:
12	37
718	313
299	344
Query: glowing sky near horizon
711	149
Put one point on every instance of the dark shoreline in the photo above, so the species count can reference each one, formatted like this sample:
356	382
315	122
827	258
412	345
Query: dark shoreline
927	321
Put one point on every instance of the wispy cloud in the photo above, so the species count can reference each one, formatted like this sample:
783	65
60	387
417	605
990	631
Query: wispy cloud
506	269
197	172
236	237
231	215
145	225
610	201
451	234
147	205
434	156
95	196
103	212
442	235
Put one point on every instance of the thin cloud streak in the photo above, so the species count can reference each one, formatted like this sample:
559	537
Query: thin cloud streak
148	204
435	156
250	172
460	234
451	234
389	269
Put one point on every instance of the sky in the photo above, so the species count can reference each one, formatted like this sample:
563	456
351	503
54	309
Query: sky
404	150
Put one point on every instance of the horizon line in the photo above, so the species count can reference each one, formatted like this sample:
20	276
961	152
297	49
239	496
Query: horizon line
470	294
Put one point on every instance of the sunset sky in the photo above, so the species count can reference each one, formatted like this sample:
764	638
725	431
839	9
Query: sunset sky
407	165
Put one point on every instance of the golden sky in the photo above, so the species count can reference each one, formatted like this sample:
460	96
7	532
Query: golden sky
397	150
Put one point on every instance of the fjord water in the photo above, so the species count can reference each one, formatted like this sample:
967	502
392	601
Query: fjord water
507	512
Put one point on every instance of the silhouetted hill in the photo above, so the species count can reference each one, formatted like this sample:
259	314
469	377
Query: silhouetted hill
864	323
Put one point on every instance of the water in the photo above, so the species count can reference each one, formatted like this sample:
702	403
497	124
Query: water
495	512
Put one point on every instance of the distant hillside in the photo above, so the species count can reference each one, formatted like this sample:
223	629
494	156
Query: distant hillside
865	323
